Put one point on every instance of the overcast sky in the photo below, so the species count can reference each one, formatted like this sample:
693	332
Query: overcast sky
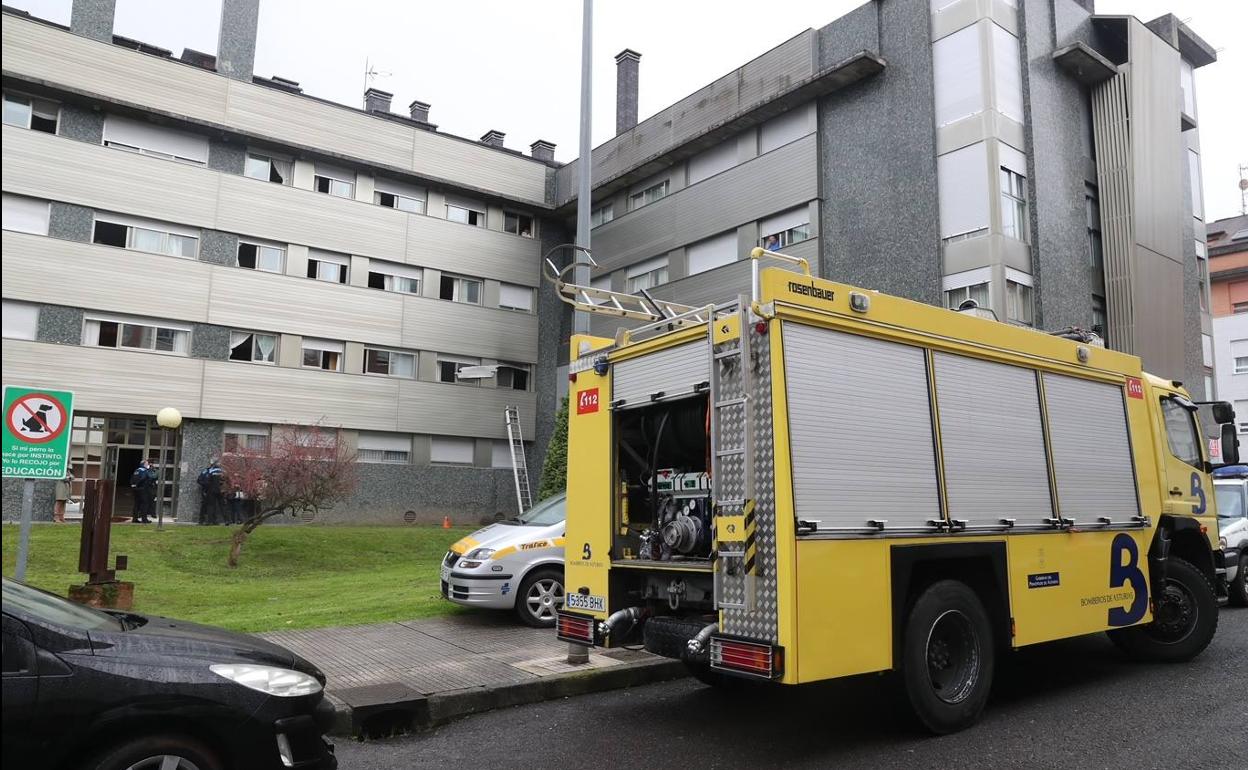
514	65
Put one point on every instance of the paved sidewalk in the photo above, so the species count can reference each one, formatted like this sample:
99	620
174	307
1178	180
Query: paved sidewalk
419	672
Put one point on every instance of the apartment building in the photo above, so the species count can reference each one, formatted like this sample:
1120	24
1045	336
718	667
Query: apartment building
1227	241
181	233
1033	156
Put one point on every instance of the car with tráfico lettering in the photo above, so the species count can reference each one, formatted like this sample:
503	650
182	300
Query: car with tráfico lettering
1230	486
516	564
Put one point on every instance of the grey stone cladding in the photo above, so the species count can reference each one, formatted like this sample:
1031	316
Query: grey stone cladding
218	248
209	341
202	441
226	157
387	492
81	123
59	325
879	223
71	222
93	19
45	498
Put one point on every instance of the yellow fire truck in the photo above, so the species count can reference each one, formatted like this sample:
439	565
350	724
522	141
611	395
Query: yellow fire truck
820	481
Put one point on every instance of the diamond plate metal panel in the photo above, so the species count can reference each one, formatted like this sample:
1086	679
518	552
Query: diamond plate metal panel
762	621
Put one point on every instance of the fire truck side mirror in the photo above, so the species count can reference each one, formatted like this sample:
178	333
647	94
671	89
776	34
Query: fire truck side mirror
1223	412
1230	444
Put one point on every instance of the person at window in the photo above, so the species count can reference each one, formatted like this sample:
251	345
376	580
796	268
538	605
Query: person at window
211	484
525	233
143	482
772	243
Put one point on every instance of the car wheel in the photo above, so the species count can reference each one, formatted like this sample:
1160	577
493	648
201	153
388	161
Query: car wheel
540	597
1239	586
947	657
158	752
1185	617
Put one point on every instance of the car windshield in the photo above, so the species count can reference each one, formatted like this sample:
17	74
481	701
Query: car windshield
1230	500
53	609
549	511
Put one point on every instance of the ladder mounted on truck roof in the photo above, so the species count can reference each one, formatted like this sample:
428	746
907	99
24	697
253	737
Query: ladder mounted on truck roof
661	314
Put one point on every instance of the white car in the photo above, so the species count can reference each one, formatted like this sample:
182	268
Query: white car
1230	486
514	564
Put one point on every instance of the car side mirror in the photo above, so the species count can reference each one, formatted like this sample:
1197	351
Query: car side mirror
1230	444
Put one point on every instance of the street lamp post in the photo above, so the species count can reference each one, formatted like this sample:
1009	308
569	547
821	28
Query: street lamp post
168	419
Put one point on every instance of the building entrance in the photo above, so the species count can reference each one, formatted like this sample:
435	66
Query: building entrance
111	447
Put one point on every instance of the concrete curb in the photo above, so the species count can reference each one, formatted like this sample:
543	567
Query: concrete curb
409	711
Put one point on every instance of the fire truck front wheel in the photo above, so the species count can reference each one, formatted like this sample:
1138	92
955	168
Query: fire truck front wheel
1185	618
948	654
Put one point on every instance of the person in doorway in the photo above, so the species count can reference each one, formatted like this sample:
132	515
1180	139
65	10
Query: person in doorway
211	483
63	488
143	482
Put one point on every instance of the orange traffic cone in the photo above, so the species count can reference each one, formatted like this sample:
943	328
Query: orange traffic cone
446	522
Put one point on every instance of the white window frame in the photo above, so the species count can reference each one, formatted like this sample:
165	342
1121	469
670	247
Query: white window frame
247	431
276	163
459	291
116	122
91	327
392	273
255	346
259	245
333	177
1014	224
515	297
163	229
464	212
390	353
651	193
330	347
459	362
1018	288
317	260
602	215
787	227
647	275
1241	365
32	104
962	286
519	221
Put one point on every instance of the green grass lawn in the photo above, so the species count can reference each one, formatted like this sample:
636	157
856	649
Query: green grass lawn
302	576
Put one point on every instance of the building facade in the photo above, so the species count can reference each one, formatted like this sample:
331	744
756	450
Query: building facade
180	232
1032	156
1227	241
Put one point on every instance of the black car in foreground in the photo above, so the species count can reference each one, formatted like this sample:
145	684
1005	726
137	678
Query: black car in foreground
122	691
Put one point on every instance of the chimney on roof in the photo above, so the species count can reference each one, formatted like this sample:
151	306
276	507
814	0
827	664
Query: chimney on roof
419	111
236	44
93	19
542	150
627	62
376	100
199	59
493	138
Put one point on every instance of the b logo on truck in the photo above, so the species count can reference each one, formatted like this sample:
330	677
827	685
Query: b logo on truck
1123	571
587	401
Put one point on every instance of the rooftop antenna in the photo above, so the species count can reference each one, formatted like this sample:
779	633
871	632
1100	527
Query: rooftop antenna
1243	189
371	73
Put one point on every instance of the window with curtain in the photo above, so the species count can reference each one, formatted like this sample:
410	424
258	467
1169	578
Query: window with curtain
268	168
145	235
30	112
243	436
253	346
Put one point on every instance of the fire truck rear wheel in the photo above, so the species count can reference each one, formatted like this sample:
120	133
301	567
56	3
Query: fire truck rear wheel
947	657
1185	617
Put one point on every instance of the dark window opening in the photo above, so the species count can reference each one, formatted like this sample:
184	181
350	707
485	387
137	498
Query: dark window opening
108	334
322	184
386	199
247	255
377	281
518	224
43	123
241	351
111	234
446	290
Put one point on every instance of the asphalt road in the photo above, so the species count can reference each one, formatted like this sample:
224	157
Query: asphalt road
1071	704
